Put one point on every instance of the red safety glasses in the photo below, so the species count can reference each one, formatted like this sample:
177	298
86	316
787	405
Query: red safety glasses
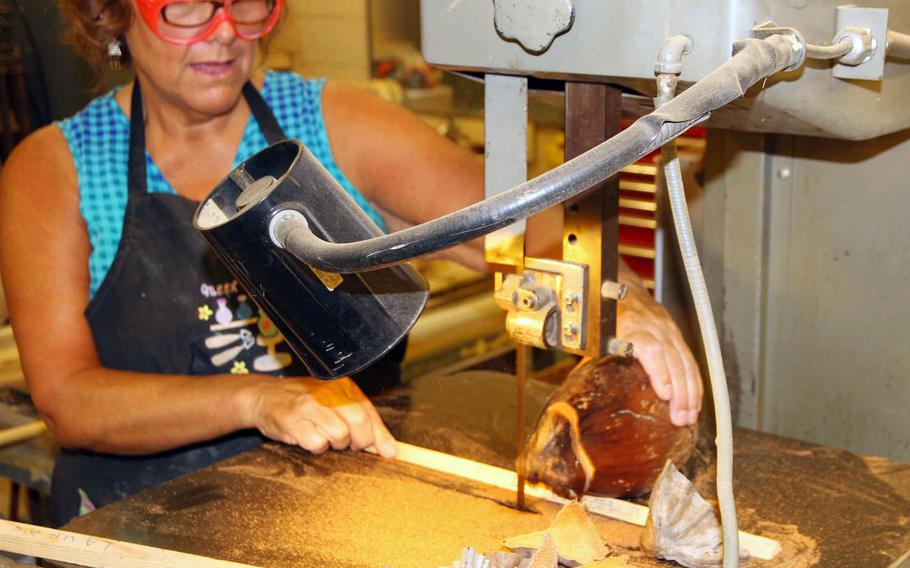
190	21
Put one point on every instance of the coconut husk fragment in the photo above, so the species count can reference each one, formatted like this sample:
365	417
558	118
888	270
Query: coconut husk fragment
575	537
546	556
604	432
507	560
470	558
681	525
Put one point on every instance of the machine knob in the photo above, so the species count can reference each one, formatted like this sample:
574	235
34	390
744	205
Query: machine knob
533	24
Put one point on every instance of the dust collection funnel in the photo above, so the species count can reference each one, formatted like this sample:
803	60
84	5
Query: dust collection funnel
337	324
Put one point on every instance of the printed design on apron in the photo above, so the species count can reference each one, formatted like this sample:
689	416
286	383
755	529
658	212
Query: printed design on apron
232	326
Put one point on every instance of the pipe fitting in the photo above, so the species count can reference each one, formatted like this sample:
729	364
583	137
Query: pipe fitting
794	40
283	222
864	45
898	45
669	58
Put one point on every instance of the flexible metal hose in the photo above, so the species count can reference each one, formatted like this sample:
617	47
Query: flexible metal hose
676	191
718	377
898	45
753	61
835	51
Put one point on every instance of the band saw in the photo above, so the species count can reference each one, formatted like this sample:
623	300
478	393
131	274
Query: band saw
300	247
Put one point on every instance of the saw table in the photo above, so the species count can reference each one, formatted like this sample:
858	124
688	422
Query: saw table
279	506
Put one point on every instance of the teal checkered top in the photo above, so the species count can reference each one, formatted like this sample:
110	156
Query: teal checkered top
98	139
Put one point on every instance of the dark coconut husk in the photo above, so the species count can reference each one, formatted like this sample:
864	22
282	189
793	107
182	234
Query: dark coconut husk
604	432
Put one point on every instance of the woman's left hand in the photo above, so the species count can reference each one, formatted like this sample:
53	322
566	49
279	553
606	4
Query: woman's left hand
663	353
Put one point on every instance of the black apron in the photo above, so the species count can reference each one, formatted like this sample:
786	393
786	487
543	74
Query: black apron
169	306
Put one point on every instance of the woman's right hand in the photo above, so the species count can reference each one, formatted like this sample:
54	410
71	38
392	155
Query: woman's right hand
316	414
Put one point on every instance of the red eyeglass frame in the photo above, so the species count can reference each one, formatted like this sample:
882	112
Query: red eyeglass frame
150	10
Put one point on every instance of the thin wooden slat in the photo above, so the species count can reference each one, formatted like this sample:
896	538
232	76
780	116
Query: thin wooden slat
23	432
640	222
639	186
637	204
640	252
96	552
758	546
641	169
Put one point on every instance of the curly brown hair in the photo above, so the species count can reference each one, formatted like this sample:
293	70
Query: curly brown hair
93	24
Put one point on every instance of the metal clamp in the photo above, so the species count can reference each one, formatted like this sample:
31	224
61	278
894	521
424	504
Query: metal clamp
796	39
546	304
864	45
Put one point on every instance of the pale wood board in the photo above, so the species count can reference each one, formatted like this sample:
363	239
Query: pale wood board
96	552
20	433
758	546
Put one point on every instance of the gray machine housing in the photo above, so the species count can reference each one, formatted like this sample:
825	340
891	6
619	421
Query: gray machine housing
616	41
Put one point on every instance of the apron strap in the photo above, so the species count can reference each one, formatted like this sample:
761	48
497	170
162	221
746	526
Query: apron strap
264	116
137	176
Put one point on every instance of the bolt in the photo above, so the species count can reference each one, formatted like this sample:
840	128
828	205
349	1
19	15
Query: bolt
614	290
526	299
570	330
619	347
571	300
784	173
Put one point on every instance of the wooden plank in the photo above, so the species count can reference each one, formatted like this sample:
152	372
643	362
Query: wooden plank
758	546
20	433
96	552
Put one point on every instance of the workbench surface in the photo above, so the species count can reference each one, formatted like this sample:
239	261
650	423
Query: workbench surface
279	507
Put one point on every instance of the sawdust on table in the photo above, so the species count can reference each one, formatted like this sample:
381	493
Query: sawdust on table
422	524
612	562
799	551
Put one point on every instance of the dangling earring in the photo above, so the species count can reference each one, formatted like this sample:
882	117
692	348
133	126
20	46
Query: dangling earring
115	53
113	49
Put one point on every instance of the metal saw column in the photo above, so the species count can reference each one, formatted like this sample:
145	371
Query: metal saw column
591	226
506	158
505	166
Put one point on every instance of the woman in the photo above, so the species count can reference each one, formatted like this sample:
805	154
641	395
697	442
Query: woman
142	355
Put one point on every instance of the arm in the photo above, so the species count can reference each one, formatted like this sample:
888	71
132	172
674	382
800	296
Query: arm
401	164
44	250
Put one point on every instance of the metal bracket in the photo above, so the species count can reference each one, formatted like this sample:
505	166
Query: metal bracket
875	22
769	28
546	304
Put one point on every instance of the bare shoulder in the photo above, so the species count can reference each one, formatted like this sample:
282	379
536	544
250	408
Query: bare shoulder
350	108
383	147
39	194
42	160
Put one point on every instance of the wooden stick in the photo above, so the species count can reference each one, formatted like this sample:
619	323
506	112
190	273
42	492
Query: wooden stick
96	552
22	432
758	546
